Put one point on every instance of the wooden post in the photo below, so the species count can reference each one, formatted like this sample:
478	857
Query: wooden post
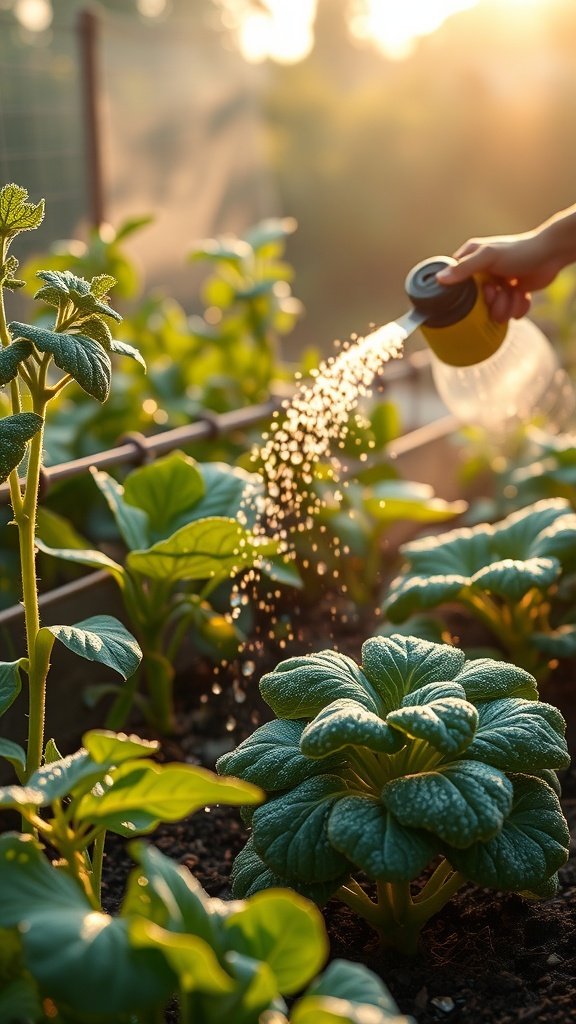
88	31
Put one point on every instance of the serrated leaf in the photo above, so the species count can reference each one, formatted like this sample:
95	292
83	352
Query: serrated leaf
78	291
101	638
290	831
300	687
448	724
77	955
10	683
486	679
397	664
346	723
362	829
461	803
533	844
15	432
101	285
10	359
284	931
78	355
16	214
271	757
97	329
517	735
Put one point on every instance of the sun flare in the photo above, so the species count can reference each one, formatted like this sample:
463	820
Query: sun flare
283	30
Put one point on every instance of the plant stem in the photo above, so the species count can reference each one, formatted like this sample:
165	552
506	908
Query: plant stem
97	861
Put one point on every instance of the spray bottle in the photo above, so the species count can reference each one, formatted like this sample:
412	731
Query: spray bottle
497	375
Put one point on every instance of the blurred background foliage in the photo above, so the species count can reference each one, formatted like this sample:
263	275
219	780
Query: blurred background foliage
381	160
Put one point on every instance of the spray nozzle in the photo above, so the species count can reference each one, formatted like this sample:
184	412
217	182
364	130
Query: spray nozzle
441	304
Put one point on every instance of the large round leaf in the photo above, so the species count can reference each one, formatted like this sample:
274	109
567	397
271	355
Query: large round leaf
300	687
518	735
369	836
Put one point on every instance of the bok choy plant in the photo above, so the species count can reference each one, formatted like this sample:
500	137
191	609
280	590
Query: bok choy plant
507	575
414	758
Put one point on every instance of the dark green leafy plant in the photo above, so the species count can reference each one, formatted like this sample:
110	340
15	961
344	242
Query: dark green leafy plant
506	575
180	522
234	960
415	757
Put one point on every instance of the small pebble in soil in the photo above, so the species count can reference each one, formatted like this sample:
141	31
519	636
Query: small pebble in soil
443	1003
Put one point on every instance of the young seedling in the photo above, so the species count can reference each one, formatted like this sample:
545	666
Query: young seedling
416	757
506	575
235	960
187	530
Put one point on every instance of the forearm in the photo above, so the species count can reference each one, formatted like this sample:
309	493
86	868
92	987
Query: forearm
558	236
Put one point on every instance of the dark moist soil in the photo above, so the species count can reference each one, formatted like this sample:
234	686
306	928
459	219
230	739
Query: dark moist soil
487	958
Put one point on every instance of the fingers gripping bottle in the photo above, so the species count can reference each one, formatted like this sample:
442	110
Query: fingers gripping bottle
497	375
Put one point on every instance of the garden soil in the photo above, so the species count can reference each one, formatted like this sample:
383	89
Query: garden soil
487	958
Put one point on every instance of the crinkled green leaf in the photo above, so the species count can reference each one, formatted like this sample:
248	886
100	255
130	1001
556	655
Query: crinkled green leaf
131	521
300	687
10	682
77	955
411	593
533	843
271	757
461	803
165	489
284	931
558	643
10	359
79	291
100	638
363	830
15	432
431	692
59	778
77	354
103	283
487	679
250	875
199	551
16	214
291	835
346	723
95	328
512	578
397	664
517	735
447	724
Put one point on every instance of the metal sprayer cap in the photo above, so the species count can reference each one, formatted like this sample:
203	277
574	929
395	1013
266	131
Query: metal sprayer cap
441	304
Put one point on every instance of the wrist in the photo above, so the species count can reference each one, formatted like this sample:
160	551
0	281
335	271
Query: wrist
558	237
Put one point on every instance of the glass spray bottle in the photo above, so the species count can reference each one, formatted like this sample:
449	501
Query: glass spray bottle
497	375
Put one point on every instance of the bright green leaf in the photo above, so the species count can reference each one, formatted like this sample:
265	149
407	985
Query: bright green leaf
165	489
199	551
107	747
94	559
191	958
16	214
132	522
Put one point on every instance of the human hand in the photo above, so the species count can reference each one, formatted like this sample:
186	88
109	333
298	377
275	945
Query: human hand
515	265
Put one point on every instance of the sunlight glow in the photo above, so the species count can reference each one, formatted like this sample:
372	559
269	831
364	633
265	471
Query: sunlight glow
34	15
281	30
395	28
